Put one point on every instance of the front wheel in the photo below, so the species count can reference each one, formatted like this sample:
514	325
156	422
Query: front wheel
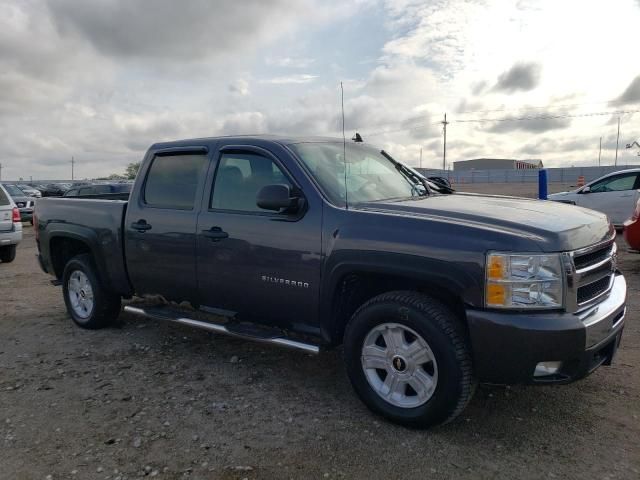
408	359
89	304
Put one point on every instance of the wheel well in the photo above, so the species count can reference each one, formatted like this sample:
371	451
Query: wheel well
355	289
64	249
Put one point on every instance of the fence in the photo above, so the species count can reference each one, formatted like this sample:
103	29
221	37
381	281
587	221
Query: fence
561	175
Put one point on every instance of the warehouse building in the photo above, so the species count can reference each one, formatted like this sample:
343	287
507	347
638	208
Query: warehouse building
497	164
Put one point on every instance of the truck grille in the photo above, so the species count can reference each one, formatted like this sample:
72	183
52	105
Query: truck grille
592	258
591	274
593	290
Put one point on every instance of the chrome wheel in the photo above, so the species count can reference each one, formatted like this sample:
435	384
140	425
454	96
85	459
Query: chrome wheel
80	294
399	365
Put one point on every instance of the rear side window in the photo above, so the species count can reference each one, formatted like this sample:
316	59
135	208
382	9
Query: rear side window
172	181
4	200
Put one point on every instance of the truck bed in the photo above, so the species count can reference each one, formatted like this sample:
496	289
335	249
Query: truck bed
96	222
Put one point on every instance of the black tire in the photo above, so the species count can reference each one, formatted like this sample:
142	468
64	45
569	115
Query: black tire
106	304
444	334
8	253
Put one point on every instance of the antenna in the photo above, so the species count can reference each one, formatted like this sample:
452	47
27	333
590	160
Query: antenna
344	151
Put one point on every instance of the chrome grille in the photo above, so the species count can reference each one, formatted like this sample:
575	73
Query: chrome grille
590	274
591	258
593	290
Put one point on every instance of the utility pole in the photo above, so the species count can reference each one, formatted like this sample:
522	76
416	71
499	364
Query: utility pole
0	171
444	150
600	152
617	140
72	162
420	157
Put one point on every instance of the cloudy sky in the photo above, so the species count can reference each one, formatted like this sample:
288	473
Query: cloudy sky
101	80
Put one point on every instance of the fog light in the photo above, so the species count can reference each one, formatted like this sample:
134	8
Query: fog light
547	368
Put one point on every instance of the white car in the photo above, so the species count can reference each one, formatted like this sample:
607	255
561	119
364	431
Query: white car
615	194
10	227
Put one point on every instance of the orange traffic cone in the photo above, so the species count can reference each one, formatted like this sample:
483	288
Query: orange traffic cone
580	181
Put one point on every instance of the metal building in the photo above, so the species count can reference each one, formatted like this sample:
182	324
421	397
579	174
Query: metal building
497	164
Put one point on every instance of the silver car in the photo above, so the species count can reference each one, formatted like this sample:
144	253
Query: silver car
24	203
10	227
29	191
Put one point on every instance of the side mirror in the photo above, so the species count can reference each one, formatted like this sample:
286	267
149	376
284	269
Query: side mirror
277	197
586	189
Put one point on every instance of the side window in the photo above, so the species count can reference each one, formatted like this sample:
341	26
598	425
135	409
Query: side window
100	189
4	200
172	181
239	178
86	191
72	193
615	184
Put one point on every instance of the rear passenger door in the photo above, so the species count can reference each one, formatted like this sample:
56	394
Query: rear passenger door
160	225
260	264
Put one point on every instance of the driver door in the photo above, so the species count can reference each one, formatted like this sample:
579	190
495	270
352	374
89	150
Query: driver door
616	196
259	264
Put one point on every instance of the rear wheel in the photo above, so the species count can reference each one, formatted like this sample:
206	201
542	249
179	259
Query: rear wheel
8	253
89	304
408	359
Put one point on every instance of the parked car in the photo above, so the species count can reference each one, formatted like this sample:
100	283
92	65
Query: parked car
429	293
24	203
29	191
10	227
632	229
98	189
55	189
614	194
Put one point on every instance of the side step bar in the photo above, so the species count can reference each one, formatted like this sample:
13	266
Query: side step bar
171	316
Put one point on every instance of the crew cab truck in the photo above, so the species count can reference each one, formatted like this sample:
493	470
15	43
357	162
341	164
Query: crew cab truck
312	243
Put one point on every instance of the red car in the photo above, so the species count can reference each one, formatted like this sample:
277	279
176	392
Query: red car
632	229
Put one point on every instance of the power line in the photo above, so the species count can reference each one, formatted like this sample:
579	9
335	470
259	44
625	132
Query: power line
415	126
540	107
546	117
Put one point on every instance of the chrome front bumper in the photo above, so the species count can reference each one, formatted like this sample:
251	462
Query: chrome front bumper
607	317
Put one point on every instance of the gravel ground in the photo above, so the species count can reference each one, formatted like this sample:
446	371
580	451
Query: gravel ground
146	399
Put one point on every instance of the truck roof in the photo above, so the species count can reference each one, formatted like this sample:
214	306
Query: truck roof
242	139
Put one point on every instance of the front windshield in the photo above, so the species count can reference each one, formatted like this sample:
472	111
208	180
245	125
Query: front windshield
370	175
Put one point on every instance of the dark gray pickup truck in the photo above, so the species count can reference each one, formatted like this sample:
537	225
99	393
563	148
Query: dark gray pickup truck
312	244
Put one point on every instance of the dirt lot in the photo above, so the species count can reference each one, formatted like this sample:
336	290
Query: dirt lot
146	399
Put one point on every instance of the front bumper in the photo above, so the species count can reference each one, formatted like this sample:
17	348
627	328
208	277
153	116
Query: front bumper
631	233
508	346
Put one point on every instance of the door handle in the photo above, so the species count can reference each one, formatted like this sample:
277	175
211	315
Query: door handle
141	226
215	234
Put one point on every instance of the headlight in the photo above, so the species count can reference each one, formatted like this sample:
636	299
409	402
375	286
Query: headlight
524	281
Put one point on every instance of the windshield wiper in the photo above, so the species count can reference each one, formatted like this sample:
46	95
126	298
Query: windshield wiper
408	173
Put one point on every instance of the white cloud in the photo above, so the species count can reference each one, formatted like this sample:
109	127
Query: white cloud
103	80
239	87
288	79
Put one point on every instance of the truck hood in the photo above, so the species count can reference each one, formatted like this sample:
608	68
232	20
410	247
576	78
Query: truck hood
554	226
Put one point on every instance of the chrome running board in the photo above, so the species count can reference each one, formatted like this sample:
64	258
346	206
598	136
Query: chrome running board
257	334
